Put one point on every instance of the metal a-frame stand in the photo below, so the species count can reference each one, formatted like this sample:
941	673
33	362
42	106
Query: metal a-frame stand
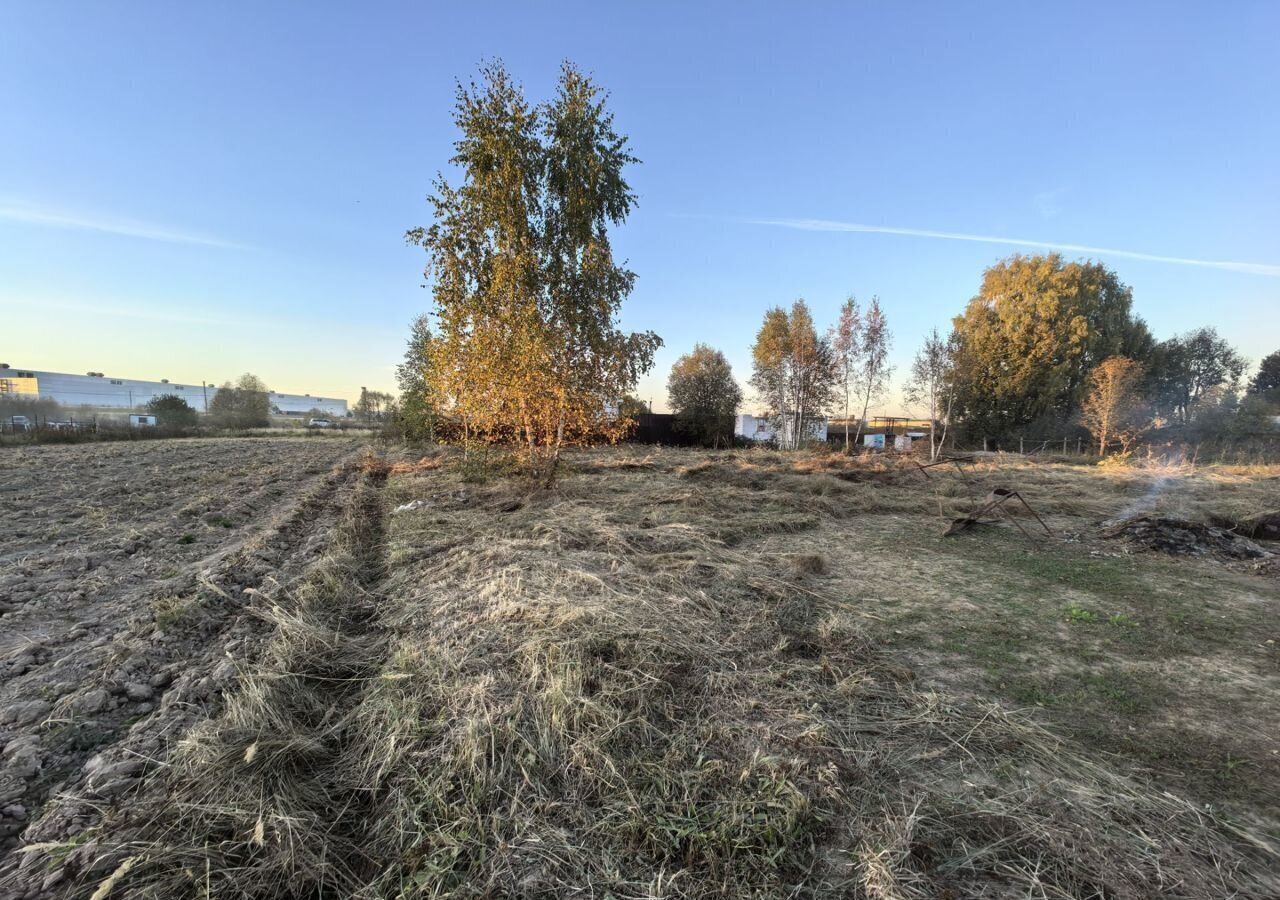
995	505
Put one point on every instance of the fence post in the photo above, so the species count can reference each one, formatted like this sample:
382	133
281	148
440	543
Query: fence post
1021	451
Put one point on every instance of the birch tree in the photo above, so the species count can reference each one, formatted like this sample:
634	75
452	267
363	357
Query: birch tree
845	337
526	289
931	384
875	371
794	371
770	366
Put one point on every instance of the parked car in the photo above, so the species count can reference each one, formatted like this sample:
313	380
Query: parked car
19	423
319	423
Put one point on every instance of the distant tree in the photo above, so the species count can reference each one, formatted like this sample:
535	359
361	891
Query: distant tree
875	369
845	337
1112	407
244	404
1255	415
704	396
225	406
172	411
373	406
813	372
1186	369
931	384
35	409
629	407
526	288
1266	383
1027	343
770	366
417	411
794	372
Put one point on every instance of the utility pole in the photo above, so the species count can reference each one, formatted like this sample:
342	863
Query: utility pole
204	389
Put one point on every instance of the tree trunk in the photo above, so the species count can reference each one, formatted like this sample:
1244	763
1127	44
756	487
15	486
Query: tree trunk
554	463
846	411
866	404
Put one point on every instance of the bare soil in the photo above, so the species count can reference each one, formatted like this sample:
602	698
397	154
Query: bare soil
126	571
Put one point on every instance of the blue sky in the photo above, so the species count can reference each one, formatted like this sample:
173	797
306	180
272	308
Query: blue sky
195	190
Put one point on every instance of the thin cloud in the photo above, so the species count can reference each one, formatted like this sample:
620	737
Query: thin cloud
159	314
833	226
35	214
183	315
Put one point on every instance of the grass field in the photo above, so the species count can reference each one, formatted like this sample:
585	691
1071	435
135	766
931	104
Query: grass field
675	674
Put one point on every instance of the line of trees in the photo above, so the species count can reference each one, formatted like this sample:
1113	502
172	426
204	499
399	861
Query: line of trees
799	374
1044	348
1049	345
524	345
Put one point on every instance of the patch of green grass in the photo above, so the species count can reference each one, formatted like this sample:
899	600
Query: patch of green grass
1120	620
1078	615
1087	694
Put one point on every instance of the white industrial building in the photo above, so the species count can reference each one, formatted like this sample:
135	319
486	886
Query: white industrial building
108	392
759	428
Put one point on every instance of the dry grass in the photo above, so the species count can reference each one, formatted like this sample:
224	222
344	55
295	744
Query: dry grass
612	689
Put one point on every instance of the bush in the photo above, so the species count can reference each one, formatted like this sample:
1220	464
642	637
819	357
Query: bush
172	411
244	404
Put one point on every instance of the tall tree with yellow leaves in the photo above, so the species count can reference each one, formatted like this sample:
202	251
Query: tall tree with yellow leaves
1027	343
526	289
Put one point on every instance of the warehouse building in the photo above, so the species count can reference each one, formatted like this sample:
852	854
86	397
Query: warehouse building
103	391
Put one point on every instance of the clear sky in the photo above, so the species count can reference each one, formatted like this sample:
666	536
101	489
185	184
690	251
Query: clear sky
192	191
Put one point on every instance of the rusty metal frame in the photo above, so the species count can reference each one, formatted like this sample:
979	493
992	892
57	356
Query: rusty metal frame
995	505
958	461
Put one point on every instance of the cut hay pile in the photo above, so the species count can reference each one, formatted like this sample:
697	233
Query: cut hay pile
596	695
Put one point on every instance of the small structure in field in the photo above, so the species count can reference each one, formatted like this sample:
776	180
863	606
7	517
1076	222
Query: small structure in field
761	430
139	420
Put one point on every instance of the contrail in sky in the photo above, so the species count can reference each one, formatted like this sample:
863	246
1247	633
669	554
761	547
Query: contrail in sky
829	225
35	214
